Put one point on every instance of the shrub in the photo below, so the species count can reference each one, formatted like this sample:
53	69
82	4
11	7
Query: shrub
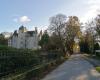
98	69
17	60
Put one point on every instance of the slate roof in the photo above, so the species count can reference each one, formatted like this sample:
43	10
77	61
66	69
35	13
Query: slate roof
31	33
22	27
15	33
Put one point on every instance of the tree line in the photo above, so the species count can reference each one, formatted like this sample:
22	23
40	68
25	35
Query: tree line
63	30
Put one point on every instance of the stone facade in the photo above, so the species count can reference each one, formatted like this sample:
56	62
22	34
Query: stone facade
24	39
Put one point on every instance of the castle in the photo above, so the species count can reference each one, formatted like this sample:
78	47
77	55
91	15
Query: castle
24	39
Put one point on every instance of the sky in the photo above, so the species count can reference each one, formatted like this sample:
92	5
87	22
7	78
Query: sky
36	13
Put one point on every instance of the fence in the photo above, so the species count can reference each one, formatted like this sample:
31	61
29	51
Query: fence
12	61
35	72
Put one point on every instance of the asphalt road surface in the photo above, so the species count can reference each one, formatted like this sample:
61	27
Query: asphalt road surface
76	68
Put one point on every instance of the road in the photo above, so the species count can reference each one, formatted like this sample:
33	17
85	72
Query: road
76	68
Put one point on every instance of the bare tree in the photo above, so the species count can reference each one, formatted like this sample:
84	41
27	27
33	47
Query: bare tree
97	21
57	25
92	32
65	29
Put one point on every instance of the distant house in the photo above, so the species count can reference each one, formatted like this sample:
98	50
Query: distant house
24	39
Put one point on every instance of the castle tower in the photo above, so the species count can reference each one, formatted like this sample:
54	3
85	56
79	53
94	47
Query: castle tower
22	29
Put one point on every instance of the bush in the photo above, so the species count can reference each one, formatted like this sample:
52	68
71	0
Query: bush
35	73
98	69
12	59
18	60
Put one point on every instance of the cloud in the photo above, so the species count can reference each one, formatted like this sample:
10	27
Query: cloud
22	19
93	2
93	10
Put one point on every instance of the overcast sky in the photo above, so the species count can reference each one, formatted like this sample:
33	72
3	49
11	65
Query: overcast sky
36	13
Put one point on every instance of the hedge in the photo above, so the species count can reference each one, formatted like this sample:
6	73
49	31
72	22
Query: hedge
35	73
14	61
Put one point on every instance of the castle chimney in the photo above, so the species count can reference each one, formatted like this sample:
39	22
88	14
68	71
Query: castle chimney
36	29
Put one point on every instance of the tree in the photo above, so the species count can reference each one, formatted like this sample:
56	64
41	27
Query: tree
56	23
72	30
44	41
96	46
55	42
65	30
89	37
56	27
97	21
3	41
92	31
